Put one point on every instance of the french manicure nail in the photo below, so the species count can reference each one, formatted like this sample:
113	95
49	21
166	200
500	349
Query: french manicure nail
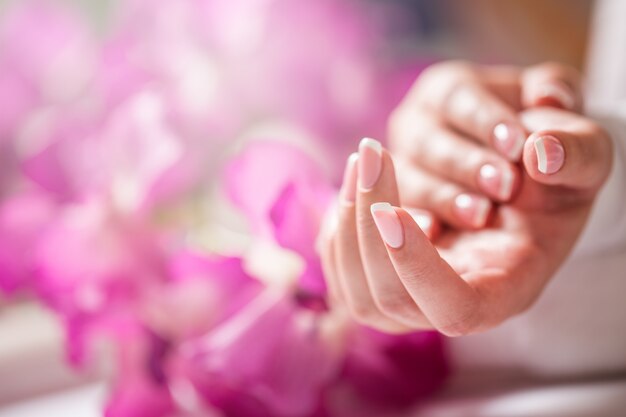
472	209
348	189
561	93
370	162
388	224
509	140
550	154
495	181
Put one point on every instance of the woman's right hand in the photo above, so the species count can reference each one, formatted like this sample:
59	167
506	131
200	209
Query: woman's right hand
457	136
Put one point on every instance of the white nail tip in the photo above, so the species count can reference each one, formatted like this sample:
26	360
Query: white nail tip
482	211
488	171
483	206
386	207
516	151
542	157
506	184
373	144
354	156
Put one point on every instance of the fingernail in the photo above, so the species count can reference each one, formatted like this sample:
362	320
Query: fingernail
370	157
388	224
348	189
550	154
495	181
509	140
472	209
561	93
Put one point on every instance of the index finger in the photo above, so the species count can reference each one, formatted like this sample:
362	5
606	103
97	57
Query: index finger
450	303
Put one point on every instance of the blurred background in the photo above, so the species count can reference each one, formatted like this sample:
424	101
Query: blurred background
130	110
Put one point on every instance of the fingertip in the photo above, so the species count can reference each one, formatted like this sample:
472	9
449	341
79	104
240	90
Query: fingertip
552	93
472	210
388	223
508	139
498	180
413	233
349	185
553	85
544	157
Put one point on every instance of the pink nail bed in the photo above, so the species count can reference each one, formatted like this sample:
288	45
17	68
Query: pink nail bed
472	209
495	181
550	154
370	162
509	140
388	224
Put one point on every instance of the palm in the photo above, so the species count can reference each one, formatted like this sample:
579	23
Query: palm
528	238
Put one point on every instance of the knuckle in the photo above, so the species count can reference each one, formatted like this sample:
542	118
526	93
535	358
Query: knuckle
436	82
396	126
450	68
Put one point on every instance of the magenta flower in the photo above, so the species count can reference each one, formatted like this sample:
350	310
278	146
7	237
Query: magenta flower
22	217
380	369
271	358
104	143
47	55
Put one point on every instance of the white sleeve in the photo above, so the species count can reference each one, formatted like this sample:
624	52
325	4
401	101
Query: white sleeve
606	228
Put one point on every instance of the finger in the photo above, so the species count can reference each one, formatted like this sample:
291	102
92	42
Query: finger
351	276
377	182
459	93
451	156
504	82
450	303
448	201
475	111
566	149
552	84
427	221
327	256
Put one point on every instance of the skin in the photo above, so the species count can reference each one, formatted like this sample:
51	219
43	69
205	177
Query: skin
466	279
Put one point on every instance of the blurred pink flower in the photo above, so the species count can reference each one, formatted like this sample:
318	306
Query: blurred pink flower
47	56
286	205
271	358
23	216
98	138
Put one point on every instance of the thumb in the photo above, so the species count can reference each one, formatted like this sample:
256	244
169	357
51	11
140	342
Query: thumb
566	149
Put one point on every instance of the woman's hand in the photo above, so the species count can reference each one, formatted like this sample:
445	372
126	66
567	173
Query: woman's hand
469	280
457	136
